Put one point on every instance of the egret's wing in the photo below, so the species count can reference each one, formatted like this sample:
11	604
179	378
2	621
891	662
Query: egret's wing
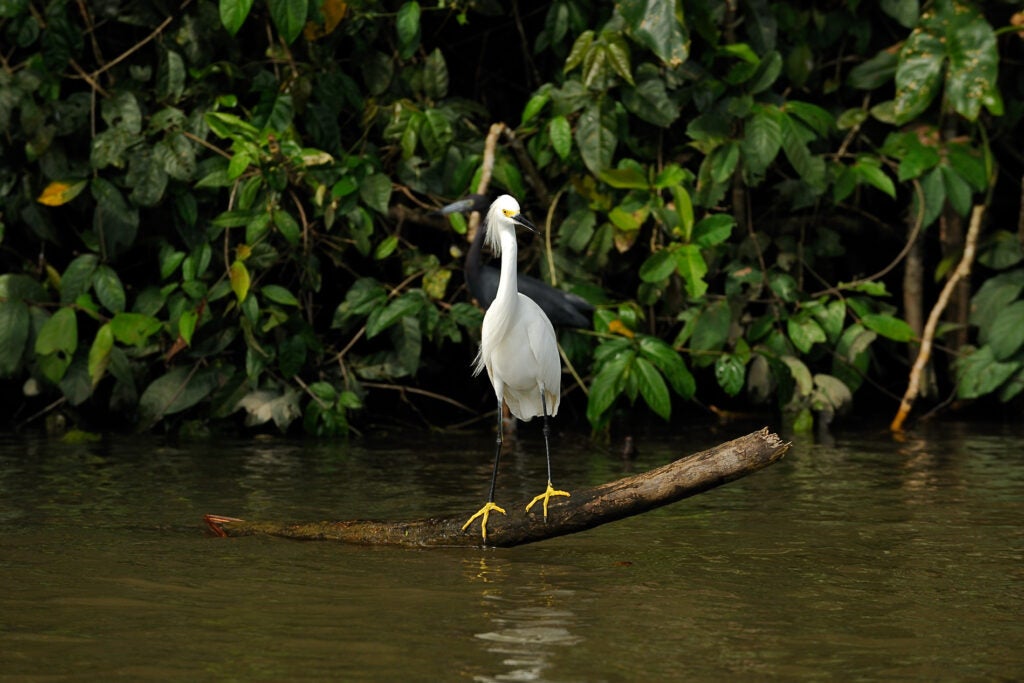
544	348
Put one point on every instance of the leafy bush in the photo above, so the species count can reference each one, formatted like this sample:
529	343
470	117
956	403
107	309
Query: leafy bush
200	211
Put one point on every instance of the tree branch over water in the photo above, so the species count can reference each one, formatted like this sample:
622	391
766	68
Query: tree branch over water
585	509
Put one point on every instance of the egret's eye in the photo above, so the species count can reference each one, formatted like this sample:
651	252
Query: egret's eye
508	213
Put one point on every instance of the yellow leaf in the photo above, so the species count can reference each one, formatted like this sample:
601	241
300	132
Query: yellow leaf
618	327
239	280
435	282
243	251
333	12
60	192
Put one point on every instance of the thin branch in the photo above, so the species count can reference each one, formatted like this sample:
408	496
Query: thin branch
547	238
422	392
918	224
486	170
963	269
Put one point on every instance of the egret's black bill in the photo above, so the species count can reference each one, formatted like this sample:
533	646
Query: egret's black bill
521	220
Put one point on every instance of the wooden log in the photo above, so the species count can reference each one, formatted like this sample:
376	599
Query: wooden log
585	509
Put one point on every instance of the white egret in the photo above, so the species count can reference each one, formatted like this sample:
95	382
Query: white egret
518	348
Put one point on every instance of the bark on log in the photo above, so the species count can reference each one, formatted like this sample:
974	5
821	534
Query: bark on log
585	509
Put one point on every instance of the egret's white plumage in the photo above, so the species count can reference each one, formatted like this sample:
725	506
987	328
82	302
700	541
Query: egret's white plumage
517	343
517	347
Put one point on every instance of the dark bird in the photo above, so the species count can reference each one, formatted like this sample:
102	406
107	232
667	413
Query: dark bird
564	309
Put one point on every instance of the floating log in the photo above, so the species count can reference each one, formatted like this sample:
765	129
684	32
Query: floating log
585	509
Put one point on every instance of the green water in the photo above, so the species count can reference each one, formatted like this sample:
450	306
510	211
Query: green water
865	559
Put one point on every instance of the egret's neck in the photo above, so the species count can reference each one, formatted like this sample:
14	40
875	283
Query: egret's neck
508	285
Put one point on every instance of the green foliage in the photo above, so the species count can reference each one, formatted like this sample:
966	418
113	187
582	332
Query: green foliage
206	227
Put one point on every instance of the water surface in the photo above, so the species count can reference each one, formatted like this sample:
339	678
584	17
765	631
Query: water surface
865	559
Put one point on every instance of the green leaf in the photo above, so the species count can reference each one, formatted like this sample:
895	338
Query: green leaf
436	133
381	319
1007	334
888	326
407	27
233	14
831	316
187	325
693	268
59	333
535	104
618	57
660	26
713	230
607	386
851	359
650	101
830	394
56	344
784	286
730	373
919	73
958	190
804	332
279	295
762	141
652	388
14	329
811	168
365	295
99	353
240	280
122	111
109	289
871	173
580	49
684	210
435	75
134	329
722	162
375	192
289	16
711	330
386	247
658	266
934	196
973	61
801	375
875	72
979	373
993	296
625	178
174	392
596	139
77	277
670	363
561	136
113	219
287	226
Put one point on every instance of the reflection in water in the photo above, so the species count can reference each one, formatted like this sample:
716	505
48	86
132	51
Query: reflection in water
529	626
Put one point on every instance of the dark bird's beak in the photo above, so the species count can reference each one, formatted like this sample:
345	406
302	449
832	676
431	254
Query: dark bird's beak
474	202
521	220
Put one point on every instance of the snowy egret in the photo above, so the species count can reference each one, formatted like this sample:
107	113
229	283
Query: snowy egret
518	348
563	309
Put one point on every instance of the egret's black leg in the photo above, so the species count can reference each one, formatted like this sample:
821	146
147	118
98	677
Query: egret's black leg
547	433
551	491
497	455
489	506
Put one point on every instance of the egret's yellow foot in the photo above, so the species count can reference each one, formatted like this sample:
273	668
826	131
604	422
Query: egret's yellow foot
484	512
546	496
